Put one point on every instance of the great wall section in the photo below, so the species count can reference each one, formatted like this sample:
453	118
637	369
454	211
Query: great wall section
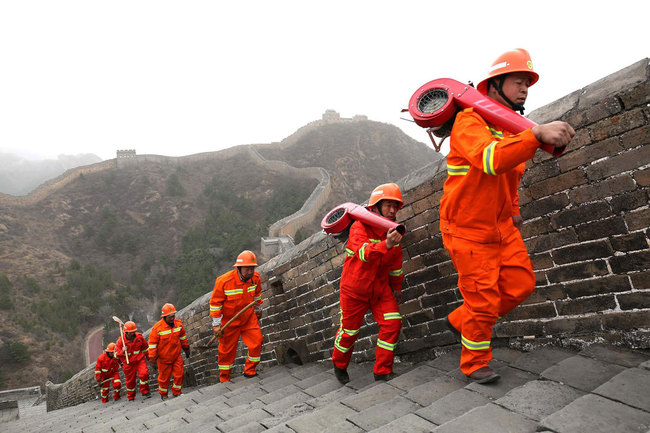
586	227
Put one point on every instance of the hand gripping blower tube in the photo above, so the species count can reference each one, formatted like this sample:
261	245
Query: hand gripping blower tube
339	218
434	104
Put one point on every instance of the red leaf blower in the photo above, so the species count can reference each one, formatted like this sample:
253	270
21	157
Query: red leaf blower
339	218
434	105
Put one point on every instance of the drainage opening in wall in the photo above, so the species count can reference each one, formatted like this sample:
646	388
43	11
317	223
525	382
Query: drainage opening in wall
293	357
292	352
276	287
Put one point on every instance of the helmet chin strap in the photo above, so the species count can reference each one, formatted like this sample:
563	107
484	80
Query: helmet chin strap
499	86
378	207
241	276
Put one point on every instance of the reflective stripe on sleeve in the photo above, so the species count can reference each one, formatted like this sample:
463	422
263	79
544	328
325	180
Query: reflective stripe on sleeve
349	252
216	307
362	252
457	170
395	273
152	346
495	133
488	159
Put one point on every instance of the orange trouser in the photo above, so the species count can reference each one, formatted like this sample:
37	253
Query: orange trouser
386	313
493	278
251	335
166	371
106	384
132	369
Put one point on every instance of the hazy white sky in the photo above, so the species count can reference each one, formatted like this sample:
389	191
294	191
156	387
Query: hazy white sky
182	77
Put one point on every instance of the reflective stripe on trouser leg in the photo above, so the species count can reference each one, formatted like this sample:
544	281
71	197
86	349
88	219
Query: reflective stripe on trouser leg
143	374
516	277
164	376
251	336
478	270
227	351
130	371
352	314
178	373
385	311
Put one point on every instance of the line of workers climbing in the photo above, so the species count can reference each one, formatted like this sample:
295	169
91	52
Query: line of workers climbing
479	223
234	290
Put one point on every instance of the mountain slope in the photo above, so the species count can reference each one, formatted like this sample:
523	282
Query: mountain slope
122	241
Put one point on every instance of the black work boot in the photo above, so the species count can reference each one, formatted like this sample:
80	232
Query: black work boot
341	375
452	329
484	375
385	377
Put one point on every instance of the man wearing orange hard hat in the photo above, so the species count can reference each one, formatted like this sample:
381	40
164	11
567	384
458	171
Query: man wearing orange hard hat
166	339
136	349
107	371
371	280
232	292
479	211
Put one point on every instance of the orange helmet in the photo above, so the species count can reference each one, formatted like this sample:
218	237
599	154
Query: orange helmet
130	326
246	258
167	309
110	347
517	60
387	191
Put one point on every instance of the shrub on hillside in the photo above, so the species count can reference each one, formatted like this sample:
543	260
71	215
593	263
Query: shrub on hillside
5	292
14	352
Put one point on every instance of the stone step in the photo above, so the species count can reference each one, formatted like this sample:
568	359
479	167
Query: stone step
548	389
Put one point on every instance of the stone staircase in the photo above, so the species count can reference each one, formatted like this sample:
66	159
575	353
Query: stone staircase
599	389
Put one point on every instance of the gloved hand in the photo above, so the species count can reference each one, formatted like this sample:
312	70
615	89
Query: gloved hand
258	314
187	352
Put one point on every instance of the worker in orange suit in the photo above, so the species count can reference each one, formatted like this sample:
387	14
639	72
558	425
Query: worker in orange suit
479	211
135	347
232	292
166	340
107	371
371	280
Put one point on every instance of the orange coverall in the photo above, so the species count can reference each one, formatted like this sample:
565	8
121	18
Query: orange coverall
480	197
137	350
107	371
229	296
165	342
371	272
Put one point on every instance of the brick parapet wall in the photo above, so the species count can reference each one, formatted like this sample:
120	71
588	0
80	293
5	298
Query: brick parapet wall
586	227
